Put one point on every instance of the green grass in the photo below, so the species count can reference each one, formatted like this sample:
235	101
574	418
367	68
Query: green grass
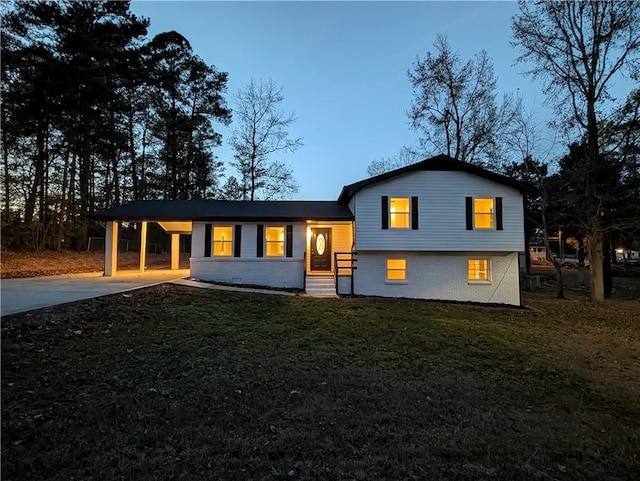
175	383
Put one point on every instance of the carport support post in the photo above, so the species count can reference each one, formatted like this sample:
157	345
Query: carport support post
111	249
175	251
143	244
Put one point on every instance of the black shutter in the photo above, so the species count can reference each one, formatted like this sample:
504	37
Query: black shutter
237	241
289	241
260	241
414	213
499	213
385	212
207	240
469	205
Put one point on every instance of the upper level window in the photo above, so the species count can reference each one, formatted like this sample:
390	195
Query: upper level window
399	212
478	270
274	241
222	241
483	213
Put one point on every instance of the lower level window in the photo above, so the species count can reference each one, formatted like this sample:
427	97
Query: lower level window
222	241
274	241
396	269
479	270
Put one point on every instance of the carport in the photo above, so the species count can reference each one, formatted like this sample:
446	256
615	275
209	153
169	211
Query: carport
173	218
111	243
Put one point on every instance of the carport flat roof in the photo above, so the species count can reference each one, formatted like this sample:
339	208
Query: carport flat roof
226	210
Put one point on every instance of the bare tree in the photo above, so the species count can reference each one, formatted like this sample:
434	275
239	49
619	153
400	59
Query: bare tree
454	105
578	48
406	156
527	140
261	132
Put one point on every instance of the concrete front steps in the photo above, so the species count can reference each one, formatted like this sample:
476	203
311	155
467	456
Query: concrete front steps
321	286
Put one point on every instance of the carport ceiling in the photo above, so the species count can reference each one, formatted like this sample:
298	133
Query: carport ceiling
172	227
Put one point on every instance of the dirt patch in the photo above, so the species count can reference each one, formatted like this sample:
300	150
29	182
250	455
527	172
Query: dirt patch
51	263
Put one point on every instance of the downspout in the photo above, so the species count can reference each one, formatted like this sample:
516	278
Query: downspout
527	255
353	244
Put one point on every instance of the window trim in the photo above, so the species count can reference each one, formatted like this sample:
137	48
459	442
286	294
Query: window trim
489	270
387	269
268	242
470	213
492	213
229	242
403	213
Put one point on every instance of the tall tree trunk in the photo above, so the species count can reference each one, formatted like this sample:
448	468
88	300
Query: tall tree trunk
143	165
581	268
62	217
32	196
42	200
114	153
85	180
606	268
7	175
132	156
187	169
596	256
596	241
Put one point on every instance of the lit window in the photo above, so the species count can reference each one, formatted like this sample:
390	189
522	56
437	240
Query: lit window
399	212
222	241
483	213
479	270
274	241
396	269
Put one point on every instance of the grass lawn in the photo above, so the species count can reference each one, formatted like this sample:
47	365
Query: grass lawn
177	383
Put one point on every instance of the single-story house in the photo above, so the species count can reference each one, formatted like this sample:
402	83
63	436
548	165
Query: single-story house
438	229
538	254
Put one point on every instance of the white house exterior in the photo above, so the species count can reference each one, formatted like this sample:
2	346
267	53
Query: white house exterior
439	229
436	245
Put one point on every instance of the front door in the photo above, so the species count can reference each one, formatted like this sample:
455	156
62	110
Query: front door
321	249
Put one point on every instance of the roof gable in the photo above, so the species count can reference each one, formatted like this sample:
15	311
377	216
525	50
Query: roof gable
438	163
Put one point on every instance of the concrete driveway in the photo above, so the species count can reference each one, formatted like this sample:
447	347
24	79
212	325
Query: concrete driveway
20	295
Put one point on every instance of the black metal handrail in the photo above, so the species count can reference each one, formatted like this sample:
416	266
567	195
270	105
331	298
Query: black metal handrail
344	261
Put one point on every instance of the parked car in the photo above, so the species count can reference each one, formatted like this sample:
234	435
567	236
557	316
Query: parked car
573	263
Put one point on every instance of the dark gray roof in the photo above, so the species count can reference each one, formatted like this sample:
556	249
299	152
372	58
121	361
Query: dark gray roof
215	210
439	162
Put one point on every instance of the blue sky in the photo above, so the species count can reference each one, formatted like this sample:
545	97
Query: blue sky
342	66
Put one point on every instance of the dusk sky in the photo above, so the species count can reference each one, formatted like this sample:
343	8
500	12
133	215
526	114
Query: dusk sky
343	69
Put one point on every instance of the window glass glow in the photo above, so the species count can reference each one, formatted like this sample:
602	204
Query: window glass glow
479	270
399	210
320	244
274	241
222	241
396	269
483	213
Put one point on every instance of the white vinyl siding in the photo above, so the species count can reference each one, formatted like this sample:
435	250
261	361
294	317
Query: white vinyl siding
441	214
197	240
436	275
250	269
